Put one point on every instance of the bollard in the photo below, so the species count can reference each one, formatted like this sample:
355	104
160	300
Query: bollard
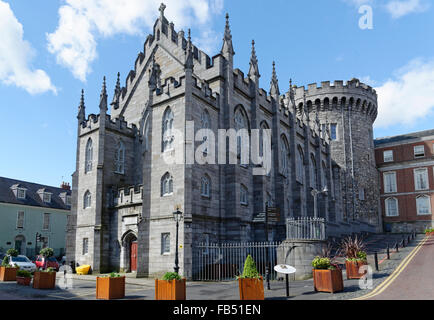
388	252
403	243
396	246
408	240
376	260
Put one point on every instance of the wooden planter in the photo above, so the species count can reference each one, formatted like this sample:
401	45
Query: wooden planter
44	280
110	288
24	281
352	268
251	289
328	280
8	274
170	290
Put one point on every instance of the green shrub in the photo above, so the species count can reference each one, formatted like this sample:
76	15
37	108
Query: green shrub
321	263
114	275
5	262
12	252
169	276
361	255
250	271
47	252
24	274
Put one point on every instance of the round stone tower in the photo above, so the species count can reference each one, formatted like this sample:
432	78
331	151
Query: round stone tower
348	112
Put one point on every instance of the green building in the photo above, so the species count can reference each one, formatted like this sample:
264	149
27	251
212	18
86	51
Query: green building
33	216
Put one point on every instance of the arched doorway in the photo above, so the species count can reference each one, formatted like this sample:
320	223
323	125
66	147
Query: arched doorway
129	252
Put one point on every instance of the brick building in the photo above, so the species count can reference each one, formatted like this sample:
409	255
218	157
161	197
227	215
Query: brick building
406	166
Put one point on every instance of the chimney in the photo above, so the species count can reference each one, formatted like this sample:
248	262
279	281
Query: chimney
65	186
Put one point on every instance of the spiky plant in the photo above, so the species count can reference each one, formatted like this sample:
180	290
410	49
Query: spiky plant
353	248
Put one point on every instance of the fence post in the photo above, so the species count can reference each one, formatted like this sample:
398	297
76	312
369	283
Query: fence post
376	260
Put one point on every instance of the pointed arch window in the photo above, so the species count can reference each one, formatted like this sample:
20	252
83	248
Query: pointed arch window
300	166
313	172
284	156
323	175
205	186
167	185
88	156
87	200
120	158
168	133
240	122
146	133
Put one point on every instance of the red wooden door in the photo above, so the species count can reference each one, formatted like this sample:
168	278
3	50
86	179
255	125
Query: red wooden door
133	255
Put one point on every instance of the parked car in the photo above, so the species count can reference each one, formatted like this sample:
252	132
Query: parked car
23	263
51	263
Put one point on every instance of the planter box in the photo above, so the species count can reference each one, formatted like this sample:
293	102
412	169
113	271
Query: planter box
44	280
24	281
251	289
328	280
170	290
110	288
8	274
352	268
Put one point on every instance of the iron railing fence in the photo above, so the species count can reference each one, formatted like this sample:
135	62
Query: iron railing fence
225	261
306	228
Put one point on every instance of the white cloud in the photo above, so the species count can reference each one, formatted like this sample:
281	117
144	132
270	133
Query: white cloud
82	22
16	54
407	97
400	8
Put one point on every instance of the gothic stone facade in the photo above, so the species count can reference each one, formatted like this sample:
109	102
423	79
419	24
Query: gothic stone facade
124	191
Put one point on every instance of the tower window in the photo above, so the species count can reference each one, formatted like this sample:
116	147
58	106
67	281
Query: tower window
334	131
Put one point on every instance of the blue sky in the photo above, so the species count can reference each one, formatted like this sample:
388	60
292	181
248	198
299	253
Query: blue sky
52	49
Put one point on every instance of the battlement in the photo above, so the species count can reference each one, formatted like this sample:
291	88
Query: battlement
118	124
129	196
353	86
354	94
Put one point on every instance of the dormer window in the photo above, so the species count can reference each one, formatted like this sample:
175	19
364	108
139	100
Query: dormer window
46	197
68	200
21	193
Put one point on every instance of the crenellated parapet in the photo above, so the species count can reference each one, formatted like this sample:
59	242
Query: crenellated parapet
353	95
128	196
118	125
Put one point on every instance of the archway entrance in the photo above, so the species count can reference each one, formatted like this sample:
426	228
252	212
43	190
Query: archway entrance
129	252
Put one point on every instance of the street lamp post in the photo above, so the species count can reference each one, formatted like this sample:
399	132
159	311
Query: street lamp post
315	194
177	216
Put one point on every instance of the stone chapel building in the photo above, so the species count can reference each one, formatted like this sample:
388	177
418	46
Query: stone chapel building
124	192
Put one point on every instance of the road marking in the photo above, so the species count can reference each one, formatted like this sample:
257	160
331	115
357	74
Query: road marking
395	274
85	294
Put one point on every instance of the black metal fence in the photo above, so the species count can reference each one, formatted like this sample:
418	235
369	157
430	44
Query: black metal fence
225	261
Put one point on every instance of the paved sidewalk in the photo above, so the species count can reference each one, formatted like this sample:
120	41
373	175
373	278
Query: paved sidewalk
414	280
144	289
